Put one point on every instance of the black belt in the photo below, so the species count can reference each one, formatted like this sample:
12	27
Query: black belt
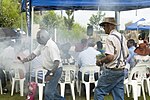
115	69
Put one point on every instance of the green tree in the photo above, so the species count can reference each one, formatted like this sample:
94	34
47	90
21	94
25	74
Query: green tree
95	20
10	14
69	20
50	21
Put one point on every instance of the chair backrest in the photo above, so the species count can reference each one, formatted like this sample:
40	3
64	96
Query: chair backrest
17	70
69	72
17	73
40	73
90	70
138	73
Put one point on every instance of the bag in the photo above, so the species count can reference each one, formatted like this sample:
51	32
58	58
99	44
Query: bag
32	91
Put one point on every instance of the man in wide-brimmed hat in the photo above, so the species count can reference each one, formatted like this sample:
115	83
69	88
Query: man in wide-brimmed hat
116	52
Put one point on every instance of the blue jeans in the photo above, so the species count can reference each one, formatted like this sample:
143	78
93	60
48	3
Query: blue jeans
110	81
51	92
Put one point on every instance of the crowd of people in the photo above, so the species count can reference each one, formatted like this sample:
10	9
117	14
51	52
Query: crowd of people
118	52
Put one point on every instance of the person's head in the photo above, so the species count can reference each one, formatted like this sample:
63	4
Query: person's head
108	24
99	45
65	47
91	42
84	41
42	37
130	43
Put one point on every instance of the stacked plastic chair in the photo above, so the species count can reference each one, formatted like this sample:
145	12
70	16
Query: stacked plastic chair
40	84
17	78
68	78
89	69
136	81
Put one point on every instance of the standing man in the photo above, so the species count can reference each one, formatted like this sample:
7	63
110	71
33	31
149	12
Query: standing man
116	52
50	54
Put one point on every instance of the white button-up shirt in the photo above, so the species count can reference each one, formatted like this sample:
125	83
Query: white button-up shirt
87	57
49	53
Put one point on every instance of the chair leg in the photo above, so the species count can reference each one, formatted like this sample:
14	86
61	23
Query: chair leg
77	85
62	89
148	85
80	84
21	87
72	90
127	88
87	86
40	86
135	94
17	86
143	92
1	87
12	87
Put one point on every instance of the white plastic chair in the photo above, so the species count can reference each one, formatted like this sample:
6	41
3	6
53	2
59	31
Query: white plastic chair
90	69
147	78
40	84
16	77
136	80
68	78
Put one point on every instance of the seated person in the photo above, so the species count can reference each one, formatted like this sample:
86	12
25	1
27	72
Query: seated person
81	46
87	57
142	53
66	59
131	48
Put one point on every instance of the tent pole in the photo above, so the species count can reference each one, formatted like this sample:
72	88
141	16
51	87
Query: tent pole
31	41
117	16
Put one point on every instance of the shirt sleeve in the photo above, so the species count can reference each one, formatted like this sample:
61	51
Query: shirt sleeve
109	46
54	53
37	51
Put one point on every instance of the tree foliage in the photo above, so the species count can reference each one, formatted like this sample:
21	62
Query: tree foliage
10	14
96	19
50	20
69	20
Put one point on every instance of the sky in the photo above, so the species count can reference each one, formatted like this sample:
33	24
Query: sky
82	16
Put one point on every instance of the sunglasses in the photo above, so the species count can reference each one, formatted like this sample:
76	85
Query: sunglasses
105	25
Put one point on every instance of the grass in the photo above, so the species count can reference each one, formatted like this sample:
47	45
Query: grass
67	96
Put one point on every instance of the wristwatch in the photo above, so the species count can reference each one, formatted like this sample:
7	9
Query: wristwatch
51	74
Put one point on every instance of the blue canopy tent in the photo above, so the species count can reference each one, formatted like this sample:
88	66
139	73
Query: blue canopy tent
104	5
135	26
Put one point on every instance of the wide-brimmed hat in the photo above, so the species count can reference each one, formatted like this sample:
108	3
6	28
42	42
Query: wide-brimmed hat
143	49
110	20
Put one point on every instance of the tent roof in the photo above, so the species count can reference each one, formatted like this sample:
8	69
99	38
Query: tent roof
136	26
104	5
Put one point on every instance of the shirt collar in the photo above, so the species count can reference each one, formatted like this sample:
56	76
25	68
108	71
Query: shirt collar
48	41
112	31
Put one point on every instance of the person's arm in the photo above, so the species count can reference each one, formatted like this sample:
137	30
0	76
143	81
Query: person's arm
56	64
28	58
105	60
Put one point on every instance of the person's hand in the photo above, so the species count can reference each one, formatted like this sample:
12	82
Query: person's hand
22	60
98	62
48	78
